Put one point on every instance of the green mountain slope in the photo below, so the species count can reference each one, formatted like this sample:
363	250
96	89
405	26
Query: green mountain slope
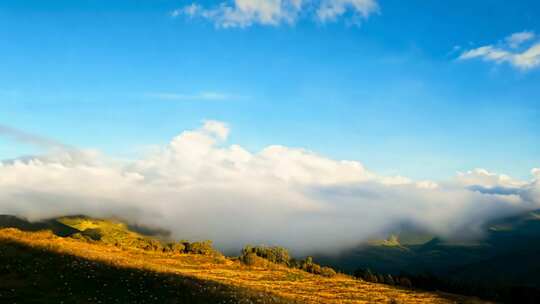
57	227
508	257
515	235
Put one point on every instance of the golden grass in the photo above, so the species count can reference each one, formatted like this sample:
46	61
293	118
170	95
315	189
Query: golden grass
272	279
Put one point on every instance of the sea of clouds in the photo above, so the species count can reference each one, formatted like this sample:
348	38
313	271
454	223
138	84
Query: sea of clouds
200	187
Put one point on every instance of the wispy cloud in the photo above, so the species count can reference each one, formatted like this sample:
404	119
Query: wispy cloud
244	13
29	138
510	50
56	150
516	39
330	10
205	96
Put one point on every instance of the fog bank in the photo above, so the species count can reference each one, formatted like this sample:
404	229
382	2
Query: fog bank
200	187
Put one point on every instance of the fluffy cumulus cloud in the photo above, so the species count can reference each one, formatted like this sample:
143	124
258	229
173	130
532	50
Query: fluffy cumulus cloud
243	13
520	50
200	187
484	178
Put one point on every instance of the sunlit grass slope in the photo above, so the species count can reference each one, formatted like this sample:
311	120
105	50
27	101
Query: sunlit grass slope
112	232
40	267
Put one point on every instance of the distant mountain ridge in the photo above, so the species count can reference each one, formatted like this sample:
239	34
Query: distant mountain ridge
508	255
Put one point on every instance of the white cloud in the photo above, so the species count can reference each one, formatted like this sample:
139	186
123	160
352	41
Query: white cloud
191	10
488	52
523	59
484	178
332	9
201	188
516	39
244	13
536	173
528	59
216	128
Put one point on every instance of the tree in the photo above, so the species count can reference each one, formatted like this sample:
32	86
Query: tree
405	282
204	247
389	280
175	247
275	254
328	272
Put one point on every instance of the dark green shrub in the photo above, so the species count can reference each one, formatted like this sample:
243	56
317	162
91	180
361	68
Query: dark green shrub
149	244
389	280
368	276
251	254
328	272
175	247
405	282
274	254
251	259
93	233
294	263
204	247
81	237
315	268
309	266
360	274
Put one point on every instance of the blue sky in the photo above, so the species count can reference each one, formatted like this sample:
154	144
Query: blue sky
391	86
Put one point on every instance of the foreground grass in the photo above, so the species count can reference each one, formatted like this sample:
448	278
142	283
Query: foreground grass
39	267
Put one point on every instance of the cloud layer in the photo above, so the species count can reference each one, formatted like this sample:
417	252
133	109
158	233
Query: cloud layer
199	187
511	50
244	13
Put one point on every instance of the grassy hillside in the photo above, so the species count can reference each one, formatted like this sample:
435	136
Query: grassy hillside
110	231
41	267
30	274
58	228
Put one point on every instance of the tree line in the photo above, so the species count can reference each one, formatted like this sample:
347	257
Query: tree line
500	292
255	255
